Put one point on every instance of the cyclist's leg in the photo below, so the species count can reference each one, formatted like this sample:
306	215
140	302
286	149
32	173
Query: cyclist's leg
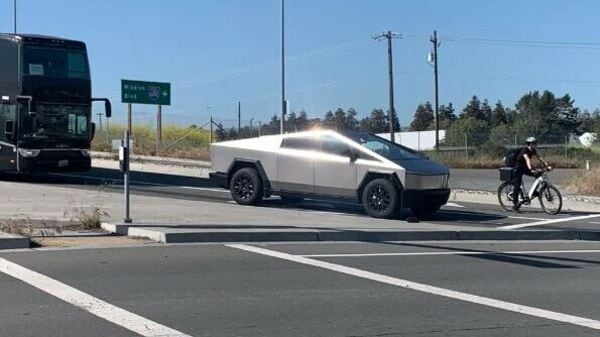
518	181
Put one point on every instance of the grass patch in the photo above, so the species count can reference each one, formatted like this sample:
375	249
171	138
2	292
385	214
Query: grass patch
586	184
177	141
89	219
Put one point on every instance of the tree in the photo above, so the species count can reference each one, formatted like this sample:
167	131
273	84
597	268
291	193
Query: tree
475	131
351	121
549	118
486	111
339	119
292	123
329	120
473	109
568	114
447	116
220	133
424	118
375	123
498	115
302	121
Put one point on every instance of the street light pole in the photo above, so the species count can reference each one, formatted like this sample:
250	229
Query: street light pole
436	44
15	16
389	35
283	103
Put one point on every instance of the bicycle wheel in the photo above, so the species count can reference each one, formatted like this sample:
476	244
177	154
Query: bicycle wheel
505	196
550	199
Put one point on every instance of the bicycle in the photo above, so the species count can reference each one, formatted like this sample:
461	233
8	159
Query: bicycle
548	195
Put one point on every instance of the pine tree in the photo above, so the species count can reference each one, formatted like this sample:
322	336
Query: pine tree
498	115
473	109
447	116
424	118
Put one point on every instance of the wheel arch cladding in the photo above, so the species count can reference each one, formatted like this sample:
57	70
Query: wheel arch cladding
240	163
376	175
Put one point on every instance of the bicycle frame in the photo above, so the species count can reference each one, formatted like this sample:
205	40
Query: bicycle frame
537	184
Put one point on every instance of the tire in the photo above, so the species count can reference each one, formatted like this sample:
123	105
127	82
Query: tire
380	198
425	210
550	199
246	186
291	199
505	197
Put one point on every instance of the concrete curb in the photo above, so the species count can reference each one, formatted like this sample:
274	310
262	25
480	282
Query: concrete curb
12	241
162	234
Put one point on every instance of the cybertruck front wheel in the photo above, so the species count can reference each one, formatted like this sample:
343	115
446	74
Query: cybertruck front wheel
380	198
246	186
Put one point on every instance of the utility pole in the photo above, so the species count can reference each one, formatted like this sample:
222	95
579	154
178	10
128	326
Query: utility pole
100	119
210	135
436	44
389	35
239	118
283	102
15	16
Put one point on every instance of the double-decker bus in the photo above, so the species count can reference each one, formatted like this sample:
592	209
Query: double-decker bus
45	104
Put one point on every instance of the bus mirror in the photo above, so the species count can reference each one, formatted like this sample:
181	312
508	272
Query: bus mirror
107	106
93	129
9	130
107	109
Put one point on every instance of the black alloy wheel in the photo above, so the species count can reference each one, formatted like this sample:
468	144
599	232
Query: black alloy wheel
380	198
246	187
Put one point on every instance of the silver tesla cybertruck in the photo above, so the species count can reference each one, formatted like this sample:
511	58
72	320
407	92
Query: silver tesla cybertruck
321	164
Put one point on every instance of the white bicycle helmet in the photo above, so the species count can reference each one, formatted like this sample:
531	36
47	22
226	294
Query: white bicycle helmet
531	140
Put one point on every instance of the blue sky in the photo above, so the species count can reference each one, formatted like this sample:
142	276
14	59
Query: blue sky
216	52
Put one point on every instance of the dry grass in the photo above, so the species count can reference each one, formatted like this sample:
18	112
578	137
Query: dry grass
178	141
586	184
90	219
17	226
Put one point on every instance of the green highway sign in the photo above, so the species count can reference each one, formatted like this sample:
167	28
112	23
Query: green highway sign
141	92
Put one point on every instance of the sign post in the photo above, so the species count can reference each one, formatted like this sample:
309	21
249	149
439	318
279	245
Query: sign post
140	92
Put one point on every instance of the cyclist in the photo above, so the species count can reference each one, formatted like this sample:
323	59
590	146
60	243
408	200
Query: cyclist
524	167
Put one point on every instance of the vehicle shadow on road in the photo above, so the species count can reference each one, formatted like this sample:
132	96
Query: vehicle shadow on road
531	260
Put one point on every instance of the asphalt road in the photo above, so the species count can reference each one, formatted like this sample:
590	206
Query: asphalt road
350	289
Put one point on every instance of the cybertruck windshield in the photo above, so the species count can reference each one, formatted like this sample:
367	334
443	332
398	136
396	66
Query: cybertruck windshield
383	147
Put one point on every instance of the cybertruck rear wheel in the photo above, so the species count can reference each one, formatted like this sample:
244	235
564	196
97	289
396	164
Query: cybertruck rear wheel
380	198
246	187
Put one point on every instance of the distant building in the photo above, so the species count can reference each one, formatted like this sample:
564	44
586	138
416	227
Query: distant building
417	140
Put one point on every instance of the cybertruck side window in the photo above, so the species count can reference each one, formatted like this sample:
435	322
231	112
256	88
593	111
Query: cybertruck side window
332	145
299	143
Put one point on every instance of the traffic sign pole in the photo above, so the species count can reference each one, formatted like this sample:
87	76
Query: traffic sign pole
158	128
141	92
127	218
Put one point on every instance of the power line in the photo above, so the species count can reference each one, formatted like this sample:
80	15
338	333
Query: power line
526	43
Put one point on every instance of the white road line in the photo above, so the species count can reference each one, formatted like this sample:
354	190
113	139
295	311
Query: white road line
486	301
451	204
527	218
582	251
95	306
595	223
550	222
